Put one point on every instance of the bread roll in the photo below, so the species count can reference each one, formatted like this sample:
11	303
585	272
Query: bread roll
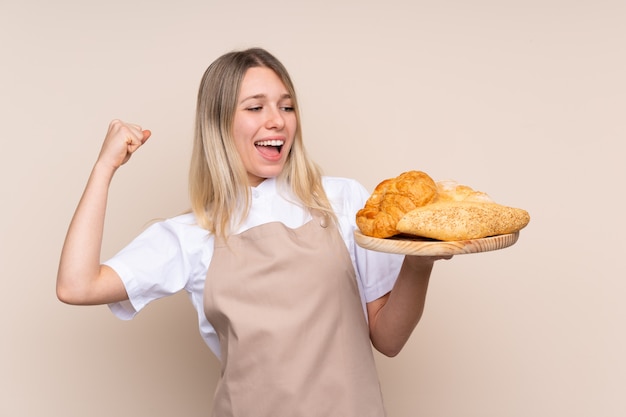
462	220
450	190
392	199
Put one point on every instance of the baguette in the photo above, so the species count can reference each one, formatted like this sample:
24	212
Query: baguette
462	220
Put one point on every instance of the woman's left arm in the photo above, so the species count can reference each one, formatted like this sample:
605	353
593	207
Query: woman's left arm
393	316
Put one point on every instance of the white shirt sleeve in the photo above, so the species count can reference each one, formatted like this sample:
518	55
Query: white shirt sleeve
159	262
376	271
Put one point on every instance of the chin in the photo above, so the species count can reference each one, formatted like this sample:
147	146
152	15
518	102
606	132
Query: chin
271	172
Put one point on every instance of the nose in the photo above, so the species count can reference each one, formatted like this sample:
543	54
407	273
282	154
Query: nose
275	120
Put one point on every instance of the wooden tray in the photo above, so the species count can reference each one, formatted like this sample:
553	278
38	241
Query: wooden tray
418	246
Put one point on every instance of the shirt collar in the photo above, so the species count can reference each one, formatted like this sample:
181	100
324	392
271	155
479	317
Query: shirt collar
267	186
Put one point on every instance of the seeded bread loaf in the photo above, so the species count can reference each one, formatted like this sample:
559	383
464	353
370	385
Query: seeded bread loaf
462	220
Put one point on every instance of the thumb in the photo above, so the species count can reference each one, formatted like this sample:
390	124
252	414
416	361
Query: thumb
145	135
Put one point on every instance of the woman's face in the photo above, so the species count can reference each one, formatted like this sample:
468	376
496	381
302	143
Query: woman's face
264	124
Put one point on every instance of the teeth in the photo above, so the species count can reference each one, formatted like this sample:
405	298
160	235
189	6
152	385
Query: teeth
270	143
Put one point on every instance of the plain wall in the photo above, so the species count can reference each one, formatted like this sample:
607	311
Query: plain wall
524	100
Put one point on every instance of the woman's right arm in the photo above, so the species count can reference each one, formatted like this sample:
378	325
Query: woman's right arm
81	278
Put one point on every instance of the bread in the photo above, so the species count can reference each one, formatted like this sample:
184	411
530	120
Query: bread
462	220
414	204
392	199
449	190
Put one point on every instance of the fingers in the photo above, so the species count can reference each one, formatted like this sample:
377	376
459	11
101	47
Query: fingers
121	141
425	261
130	133
137	139
427	258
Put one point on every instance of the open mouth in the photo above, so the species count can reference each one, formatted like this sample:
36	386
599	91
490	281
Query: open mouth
270	147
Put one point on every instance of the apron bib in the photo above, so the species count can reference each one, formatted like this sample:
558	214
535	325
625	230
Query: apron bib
294	340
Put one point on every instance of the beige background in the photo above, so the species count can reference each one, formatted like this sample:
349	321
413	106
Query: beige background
522	99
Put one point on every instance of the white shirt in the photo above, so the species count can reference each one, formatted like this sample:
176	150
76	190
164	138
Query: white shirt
175	254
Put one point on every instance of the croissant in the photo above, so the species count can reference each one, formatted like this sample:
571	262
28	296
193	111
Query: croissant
392	199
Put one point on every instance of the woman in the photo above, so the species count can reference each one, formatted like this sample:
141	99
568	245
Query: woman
285	298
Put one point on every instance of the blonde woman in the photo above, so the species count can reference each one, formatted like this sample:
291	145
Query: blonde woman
285	298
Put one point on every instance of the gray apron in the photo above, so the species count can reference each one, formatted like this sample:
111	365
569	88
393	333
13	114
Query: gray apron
294	340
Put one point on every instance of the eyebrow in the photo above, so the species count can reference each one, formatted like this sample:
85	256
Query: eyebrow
264	96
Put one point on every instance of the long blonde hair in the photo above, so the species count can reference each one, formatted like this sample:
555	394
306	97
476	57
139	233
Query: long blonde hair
218	181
